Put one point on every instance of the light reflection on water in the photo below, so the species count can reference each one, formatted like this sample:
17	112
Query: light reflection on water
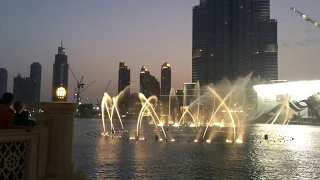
102	158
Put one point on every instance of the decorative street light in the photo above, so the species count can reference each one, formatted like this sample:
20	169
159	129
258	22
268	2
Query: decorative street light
61	93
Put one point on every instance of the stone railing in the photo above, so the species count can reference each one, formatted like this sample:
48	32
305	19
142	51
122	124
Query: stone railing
44	153
23	155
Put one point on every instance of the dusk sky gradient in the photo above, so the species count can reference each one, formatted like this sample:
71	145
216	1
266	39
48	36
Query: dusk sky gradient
99	34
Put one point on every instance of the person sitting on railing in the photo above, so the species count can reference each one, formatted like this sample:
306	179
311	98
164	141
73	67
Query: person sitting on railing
7	114
21	117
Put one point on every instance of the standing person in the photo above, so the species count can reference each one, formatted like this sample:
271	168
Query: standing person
7	114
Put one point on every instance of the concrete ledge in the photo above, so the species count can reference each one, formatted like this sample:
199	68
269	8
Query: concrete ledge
36	148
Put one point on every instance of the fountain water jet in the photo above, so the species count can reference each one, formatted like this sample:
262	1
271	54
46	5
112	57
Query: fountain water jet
172	95
110	105
222	103
185	111
146	104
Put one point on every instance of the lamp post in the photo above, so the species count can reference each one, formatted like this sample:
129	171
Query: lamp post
61	93
59	117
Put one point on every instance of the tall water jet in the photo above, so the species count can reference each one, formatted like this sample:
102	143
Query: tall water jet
146	104
184	103
106	101
222	103
232	93
172	96
185	111
285	105
197	93
111	106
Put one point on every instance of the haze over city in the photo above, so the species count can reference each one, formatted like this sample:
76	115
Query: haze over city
97	36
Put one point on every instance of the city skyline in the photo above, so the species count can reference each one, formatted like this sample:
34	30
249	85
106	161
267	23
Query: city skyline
25	42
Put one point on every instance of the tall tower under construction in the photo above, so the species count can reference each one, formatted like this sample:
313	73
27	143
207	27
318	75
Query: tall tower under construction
60	72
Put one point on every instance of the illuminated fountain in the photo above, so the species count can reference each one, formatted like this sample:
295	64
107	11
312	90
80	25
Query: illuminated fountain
172	108
216	107
186	111
228	102
286	101
208	113
110	105
147	106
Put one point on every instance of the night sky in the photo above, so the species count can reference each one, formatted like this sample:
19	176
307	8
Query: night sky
98	35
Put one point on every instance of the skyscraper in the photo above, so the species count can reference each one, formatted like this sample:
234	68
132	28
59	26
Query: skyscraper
233	38
60	72
179	95
165	81
3	81
123	82
23	90
149	85
124	77
35	75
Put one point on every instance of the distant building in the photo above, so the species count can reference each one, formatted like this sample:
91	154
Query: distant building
233	38
3	81
23	90
165	81
124	77
189	93
149	85
60	72
134	104
179	94
35	75
123	82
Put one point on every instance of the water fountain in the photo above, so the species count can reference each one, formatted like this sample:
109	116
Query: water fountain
214	111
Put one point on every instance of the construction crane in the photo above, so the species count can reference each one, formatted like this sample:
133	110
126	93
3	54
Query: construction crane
305	17
79	89
99	101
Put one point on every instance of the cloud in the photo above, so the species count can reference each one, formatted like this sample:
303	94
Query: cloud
308	42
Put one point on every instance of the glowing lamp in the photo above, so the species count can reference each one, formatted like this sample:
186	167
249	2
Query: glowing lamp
61	93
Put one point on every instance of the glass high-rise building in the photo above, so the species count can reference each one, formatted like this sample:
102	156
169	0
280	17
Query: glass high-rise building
123	83
60	72
35	75
3	81
149	85
124	77
165	81
23	90
233	38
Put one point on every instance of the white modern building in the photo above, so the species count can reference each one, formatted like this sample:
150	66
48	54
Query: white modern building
271	95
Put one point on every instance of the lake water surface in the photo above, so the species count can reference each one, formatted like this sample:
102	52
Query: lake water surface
106	158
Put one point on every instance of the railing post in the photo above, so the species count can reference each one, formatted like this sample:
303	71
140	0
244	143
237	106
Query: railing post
59	117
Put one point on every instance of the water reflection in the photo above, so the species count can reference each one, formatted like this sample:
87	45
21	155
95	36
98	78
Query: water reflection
103	158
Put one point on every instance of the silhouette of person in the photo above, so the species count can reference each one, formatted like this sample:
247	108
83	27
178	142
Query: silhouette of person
21	117
7	114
